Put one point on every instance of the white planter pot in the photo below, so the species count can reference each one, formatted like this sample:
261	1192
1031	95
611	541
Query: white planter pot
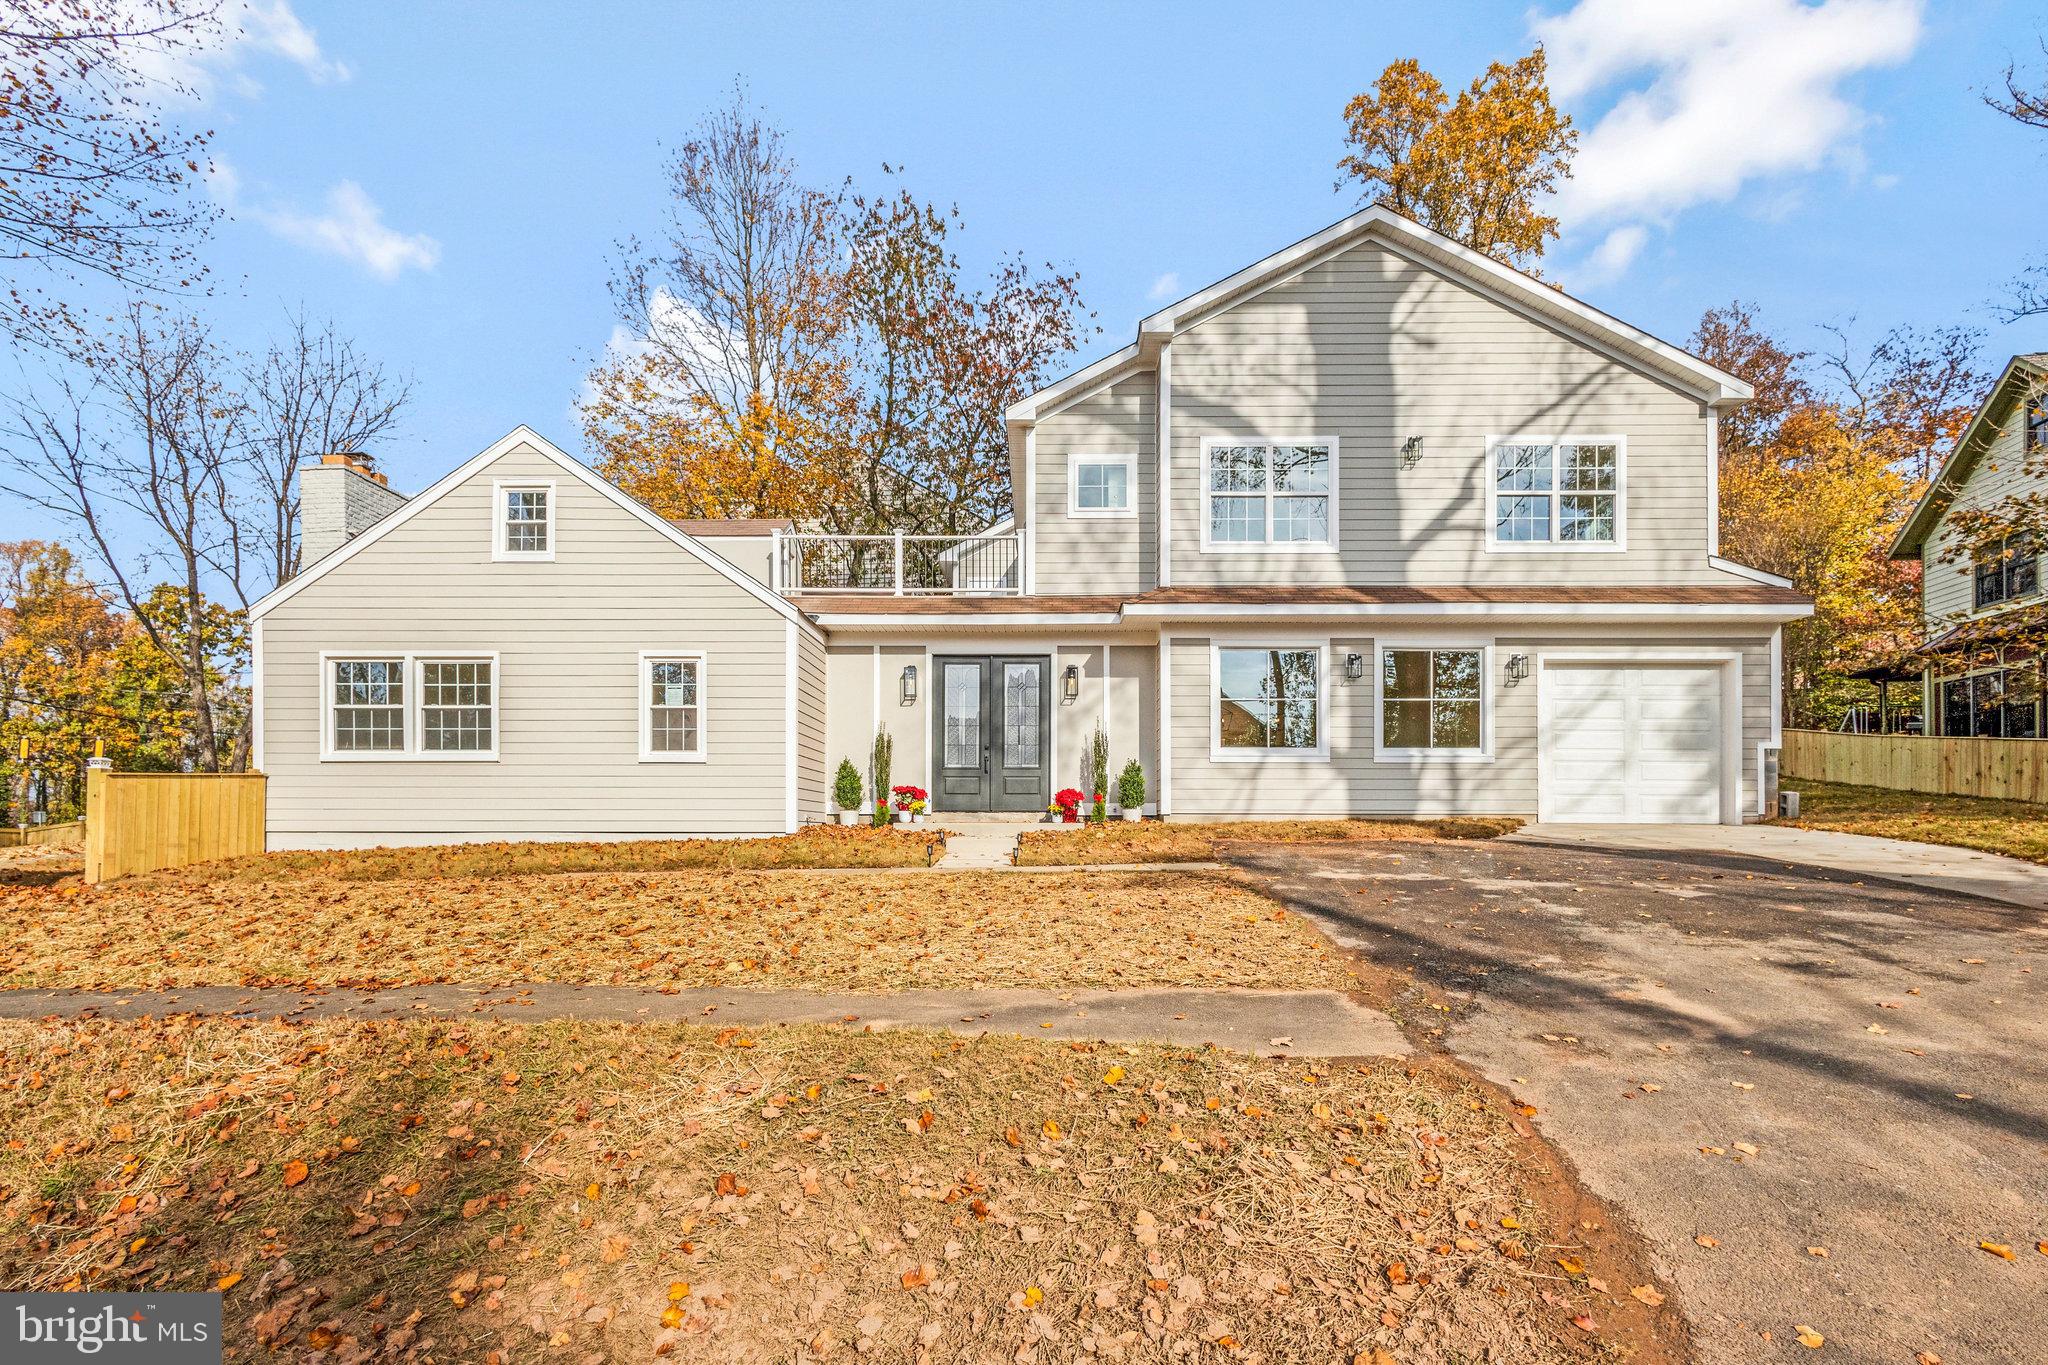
917	817
850	817
1133	814
902	817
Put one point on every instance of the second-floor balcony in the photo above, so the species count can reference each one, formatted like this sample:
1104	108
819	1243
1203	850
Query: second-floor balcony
983	565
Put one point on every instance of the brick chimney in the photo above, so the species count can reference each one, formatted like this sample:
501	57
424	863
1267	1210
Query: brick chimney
341	497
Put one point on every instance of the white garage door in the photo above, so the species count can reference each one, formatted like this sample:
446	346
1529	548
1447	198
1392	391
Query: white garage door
1632	745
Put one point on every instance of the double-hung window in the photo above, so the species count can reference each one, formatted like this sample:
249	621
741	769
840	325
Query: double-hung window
1268	702
367	705
2036	425
523	520
2006	572
409	706
1555	492
1102	486
672	708
1433	700
1269	495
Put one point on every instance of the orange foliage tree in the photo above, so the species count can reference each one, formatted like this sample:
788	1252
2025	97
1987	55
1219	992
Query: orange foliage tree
1477	168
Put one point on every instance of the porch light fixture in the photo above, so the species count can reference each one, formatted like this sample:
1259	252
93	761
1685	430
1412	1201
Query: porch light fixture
909	683
1518	667
1411	452
1070	682
1354	666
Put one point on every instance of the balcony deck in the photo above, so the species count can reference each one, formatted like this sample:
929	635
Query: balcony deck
821	563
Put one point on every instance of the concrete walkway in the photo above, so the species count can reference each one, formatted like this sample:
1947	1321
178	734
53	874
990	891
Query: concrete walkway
1290	1023
1938	866
981	846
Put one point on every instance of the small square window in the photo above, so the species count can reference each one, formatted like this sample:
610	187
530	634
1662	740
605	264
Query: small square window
1102	486
523	521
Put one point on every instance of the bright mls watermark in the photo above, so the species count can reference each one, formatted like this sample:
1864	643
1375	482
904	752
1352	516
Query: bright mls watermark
147	1329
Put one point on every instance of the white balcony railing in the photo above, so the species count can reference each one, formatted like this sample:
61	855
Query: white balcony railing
903	565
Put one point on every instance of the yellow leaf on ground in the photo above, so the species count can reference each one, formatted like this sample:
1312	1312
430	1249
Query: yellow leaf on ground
1113	1075
1033	1296
1999	1249
294	1173
1809	1338
1646	1294
228	1281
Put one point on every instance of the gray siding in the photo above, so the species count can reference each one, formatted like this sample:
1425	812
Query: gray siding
1098	554
1947	587
1372	349
568	635
1350	782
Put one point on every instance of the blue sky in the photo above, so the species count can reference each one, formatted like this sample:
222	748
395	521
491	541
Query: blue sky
447	181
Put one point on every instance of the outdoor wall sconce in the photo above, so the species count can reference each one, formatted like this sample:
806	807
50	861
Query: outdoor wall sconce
1518	667
1411	452
1070	682
909	683
1354	666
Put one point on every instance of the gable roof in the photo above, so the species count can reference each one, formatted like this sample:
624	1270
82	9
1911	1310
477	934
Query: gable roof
1502	284
570	465
1955	471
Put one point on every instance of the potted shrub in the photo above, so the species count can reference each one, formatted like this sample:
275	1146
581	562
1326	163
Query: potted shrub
879	758
1098	774
1066	803
846	792
1130	790
911	803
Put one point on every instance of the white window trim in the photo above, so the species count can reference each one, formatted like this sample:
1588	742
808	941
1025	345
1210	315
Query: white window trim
414	698
1489	532
1127	459
499	488
1218	753
1380	752
648	753
1268	547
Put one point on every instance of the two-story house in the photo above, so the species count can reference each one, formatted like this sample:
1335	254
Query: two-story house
1373	526
1982	603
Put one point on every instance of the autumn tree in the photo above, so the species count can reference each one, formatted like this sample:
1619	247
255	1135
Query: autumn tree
96	182
58	644
815	354
1477	168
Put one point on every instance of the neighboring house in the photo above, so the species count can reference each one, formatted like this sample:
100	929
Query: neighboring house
1982	606
1427	537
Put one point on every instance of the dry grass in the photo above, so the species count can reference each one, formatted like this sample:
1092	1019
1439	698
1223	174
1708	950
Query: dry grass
1158	841
852	931
2018	829
812	846
493	1191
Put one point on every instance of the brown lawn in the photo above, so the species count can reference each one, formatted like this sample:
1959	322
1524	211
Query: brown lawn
502	1191
1159	841
2018	829
850	931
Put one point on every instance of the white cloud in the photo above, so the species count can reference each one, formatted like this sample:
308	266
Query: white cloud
1612	258
353	228
221	50
1167	286
275	28
1736	91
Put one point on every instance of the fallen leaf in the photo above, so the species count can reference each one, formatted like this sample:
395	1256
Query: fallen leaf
1033	1296
1808	1338
294	1173
1998	1249
1706	1241
1113	1075
1647	1295
228	1281
1821	1252
1584	1322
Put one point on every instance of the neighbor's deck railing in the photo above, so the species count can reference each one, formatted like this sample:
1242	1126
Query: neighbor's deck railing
898	564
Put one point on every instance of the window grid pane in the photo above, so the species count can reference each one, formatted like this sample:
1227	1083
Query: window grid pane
674	713
526	520
1268	698
1431	698
1103	486
369	706
455	706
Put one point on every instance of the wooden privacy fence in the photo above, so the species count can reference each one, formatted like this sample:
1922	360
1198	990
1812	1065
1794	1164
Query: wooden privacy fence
138	822
70	832
2015	769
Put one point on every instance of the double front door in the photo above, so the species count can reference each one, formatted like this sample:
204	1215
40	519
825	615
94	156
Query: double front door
992	733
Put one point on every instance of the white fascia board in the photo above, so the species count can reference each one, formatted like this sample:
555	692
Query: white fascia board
525	435
1364	612
1752	574
1033	406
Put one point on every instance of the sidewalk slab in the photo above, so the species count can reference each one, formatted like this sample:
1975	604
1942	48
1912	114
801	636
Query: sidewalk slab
1285	1023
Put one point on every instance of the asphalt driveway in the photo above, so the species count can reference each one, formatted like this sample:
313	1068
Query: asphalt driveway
1814	1096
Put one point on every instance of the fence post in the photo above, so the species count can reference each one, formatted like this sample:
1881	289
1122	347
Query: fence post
899	563
775	560
95	824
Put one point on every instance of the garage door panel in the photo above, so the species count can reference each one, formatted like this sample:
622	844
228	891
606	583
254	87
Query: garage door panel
1632	744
